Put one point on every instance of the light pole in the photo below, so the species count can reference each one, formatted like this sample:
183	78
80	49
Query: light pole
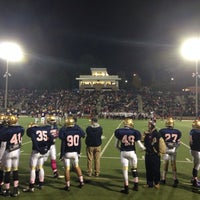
6	75
11	52
191	51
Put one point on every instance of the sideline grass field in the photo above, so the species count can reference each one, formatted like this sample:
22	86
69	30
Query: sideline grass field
110	181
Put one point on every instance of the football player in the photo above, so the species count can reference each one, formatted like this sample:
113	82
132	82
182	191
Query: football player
195	151
126	138
2	150
12	135
172	138
70	135
51	120
43	117
42	140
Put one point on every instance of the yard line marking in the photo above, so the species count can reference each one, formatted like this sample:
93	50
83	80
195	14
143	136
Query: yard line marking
188	159
26	142
105	147
185	145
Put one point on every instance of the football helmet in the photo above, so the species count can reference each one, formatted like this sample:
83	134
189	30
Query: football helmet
51	119
128	122
11	119
32	124
2	118
69	122
169	122
196	124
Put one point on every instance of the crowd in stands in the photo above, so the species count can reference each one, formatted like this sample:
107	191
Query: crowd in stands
105	104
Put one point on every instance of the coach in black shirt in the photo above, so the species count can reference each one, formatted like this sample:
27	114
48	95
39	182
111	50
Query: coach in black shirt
93	146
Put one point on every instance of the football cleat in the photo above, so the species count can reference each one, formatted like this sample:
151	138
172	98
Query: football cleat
196	183
192	180
125	190
15	192
66	188
40	186
7	193
55	175
2	191
81	184
135	188
28	189
175	183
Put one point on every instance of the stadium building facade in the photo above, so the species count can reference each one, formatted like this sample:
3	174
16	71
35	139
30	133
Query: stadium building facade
99	80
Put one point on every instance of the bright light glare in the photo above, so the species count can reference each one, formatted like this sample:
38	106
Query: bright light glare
11	52
191	49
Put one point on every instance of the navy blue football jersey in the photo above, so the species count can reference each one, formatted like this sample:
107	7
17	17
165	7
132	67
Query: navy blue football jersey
128	137
71	139
41	137
12	135
195	134
170	135
53	130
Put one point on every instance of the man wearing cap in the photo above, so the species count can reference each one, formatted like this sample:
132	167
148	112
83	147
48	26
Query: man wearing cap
93	143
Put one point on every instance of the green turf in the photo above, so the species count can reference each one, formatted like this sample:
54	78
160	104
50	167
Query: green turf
110	182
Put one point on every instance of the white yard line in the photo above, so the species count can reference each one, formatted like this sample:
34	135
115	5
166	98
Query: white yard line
26	142
185	145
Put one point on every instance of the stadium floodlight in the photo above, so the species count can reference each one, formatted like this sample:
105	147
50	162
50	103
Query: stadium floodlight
191	51
11	52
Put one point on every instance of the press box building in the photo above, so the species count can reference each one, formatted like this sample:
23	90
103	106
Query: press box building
99	80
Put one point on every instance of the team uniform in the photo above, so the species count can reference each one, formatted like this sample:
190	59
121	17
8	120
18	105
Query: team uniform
70	135
2	150
172	138
125	141
12	135
52	151
36	117
41	143
43	117
195	151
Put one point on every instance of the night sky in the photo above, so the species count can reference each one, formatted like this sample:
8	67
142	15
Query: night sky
62	39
